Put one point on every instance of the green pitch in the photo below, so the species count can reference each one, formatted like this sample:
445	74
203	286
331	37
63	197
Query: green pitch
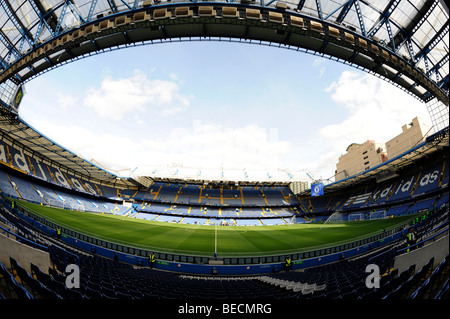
203	240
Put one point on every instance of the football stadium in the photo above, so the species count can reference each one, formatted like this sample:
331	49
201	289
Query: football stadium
71	229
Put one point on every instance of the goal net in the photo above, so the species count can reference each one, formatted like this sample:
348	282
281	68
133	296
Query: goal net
65	205
336	217
355	217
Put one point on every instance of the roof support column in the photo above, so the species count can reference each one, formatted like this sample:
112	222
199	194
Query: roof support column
360	18
319	9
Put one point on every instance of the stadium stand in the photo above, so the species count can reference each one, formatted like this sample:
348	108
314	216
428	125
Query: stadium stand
385	39
104	278
417	274
244	205
407	193
167	201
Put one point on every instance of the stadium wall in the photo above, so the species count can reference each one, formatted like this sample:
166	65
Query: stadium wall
437	249
23	254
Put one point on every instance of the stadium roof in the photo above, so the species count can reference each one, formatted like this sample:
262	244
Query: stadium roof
242	177
39	35
415	31
33	143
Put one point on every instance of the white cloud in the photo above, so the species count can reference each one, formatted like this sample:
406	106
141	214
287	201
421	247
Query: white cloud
373	109
376	111
109	150
320	63
211	145
137	94
66	101
204	146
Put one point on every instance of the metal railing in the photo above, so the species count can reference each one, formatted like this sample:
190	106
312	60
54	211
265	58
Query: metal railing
422	243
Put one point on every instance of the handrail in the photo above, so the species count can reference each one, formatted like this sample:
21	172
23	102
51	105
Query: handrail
396	252
42	247
5	221
422	242
33	243
442	225
67	252
30	242
382	253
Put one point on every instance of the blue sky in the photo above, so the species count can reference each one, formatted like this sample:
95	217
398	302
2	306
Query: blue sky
214	105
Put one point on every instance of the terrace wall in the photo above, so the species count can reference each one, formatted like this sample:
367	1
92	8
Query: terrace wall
23	254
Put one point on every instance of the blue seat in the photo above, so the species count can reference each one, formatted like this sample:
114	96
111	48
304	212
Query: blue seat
123	295
420	292
38	290
14	288
92	293
443	293
108	293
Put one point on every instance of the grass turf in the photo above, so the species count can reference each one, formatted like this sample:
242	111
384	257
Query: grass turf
204	240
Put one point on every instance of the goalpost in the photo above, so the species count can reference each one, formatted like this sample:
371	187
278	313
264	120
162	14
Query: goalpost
339	217
64	205
378	214
355	217
293	220
336	217
56	203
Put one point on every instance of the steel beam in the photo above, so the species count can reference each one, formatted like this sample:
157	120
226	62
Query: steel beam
439	65
384	17
407	33
301	4
17	23
344	11
91	10
10	46
61	17
38	9
112	5
360	18
433	42
319	9
341	9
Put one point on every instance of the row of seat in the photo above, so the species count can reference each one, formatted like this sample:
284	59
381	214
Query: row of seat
40	193
427	289
347	279
104	278
389	193
10	287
